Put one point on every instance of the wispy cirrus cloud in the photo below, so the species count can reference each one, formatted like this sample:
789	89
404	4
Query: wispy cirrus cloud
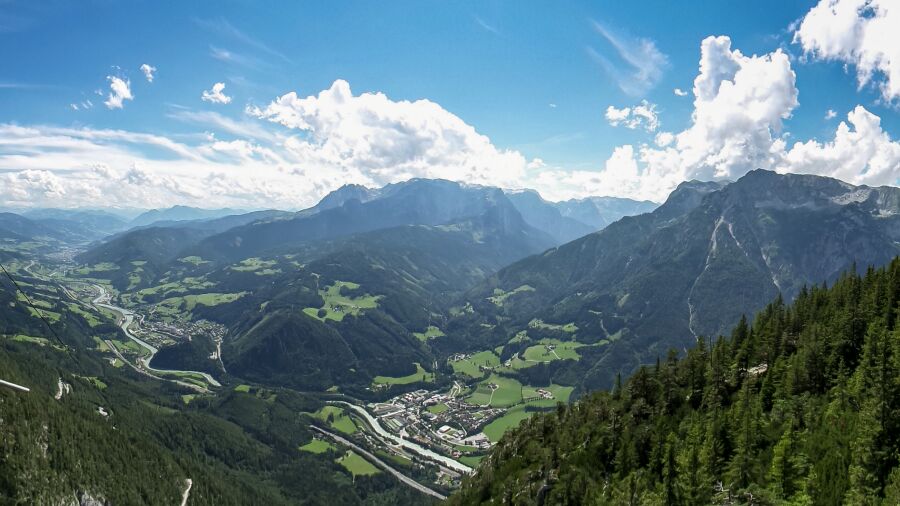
235	58
16	85
641	64
222	123
485	25
222	27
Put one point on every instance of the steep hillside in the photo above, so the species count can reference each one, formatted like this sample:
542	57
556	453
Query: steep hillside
93	431
797	408
406	276
693	266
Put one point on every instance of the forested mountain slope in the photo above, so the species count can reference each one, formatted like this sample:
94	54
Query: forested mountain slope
694	265
408	277
93	429
798	408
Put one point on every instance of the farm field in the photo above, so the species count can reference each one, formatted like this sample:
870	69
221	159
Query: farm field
430	332
339	420
357	465
508	392
539	324
317	446
336	305
470	366
499	297
561	350
253	264
420	375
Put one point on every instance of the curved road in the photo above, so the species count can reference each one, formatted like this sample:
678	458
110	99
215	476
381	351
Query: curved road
102	300
397	474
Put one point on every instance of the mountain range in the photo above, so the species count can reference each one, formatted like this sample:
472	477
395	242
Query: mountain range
710	254
376	292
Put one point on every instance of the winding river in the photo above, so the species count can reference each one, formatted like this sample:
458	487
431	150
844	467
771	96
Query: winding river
102	300
409	445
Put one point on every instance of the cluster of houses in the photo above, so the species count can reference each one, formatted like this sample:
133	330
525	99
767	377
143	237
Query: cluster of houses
437	419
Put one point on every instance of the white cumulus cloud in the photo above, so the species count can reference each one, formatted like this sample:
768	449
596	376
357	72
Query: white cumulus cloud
860	153
119	92
390	140
287	154
679	92
148	71
216	95
830	114
740	105
863	33
643	115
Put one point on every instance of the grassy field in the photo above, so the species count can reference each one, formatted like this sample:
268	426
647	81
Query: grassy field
471	460
337	306
22	338
510	420
94	381
430	332
470	366
130	347
339	419
499	297
517	363
516	414
101	267
90	317
420	375
174	306
519	337
317	446
242	388
357	465
437	408
40	308
562	350
508	392
395	459
193	260
539	324
560	393
179	286
252	264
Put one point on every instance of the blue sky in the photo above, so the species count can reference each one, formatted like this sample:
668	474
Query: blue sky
535	78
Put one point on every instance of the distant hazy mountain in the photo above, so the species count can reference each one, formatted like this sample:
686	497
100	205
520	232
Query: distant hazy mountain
598	212
17	227
708	255
415	202
62	227
546	216
181	213
571	219
87	224
164	241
